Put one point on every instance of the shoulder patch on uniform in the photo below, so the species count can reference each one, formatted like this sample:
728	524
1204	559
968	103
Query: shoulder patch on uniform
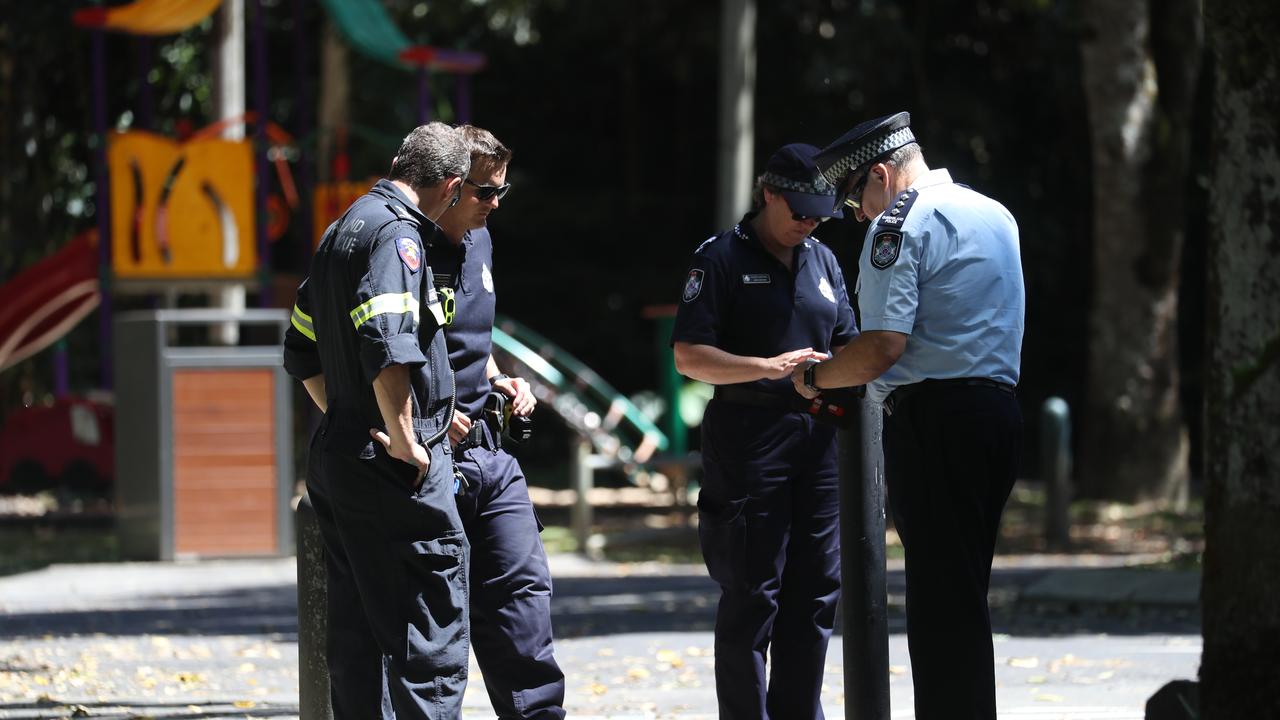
409	252
896	214
693	286
885	247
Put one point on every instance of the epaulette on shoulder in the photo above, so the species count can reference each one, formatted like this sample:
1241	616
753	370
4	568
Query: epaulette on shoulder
705	243
895	215
399	211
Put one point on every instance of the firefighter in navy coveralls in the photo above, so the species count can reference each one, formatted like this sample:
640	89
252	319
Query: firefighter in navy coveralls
759	300
941	298
510	581
367	341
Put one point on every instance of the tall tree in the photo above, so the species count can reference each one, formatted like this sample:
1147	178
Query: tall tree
1242	501
1140	64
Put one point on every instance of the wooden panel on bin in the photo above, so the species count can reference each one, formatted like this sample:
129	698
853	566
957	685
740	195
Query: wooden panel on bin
224	462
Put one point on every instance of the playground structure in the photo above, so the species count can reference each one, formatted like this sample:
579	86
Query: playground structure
195	215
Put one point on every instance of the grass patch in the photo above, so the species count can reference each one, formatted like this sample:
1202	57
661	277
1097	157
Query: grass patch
31	546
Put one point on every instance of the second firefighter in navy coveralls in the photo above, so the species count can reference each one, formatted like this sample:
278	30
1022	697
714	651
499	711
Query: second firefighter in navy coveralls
510	581
759	300
367	341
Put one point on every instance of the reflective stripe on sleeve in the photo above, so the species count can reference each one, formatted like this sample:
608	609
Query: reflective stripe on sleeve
302	322
382	304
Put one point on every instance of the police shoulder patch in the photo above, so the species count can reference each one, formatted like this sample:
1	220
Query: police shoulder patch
409	253
693	286
885	247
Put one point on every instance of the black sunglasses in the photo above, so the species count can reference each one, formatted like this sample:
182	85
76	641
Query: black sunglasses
485	192
854	198
805	218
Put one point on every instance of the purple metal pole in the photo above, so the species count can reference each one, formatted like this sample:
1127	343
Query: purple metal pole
424	96
102	205
61	373
260	148
303	130
464	97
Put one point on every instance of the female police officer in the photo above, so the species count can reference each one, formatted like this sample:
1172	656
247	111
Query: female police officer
760	299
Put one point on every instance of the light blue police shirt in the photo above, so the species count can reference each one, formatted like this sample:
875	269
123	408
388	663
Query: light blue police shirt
955	287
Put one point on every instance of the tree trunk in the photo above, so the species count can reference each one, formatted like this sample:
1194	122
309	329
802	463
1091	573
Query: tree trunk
1140	67
1241	588
335	100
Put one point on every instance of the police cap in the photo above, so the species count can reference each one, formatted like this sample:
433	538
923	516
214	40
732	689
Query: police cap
792	171
852	154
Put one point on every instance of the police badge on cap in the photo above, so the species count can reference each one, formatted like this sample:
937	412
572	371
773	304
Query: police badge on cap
847	159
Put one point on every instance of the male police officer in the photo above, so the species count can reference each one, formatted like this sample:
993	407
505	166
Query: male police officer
367	341
941	298
510	581
759	299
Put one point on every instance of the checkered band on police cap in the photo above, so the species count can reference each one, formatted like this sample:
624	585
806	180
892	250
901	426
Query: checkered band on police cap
860	146
817	186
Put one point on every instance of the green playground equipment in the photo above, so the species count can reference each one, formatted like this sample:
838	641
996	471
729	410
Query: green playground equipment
370	30
617	430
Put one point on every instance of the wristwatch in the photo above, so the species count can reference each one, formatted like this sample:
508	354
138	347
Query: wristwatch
498	378
809	382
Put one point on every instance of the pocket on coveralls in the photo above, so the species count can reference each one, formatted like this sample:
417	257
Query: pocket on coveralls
438	617
722	532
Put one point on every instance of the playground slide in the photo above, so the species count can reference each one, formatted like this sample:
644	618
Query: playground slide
368	27
43	302
616	427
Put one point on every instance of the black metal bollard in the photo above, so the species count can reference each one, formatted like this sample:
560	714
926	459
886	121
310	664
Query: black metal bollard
864	593
314	702
1055	471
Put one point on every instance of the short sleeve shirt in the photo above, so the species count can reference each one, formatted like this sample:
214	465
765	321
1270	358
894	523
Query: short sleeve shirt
947	271
465	271
741	299
368	304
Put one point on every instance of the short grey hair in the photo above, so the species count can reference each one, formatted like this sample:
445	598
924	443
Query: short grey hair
903	156
431	154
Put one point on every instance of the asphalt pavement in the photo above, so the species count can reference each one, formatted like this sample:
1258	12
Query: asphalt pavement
1077	637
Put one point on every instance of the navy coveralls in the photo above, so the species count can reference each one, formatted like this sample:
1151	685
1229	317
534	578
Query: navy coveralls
396	556
768	509
510	581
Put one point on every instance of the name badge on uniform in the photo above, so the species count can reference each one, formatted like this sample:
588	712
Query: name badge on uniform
760	279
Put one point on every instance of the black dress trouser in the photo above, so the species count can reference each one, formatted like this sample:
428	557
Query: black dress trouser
951	458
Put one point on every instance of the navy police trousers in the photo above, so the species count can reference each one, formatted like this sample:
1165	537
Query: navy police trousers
951	457
769	527
397	584
510	589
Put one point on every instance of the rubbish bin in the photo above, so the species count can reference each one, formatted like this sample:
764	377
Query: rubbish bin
204	461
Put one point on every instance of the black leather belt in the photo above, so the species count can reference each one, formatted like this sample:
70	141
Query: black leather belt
756	398
905	391
834	407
